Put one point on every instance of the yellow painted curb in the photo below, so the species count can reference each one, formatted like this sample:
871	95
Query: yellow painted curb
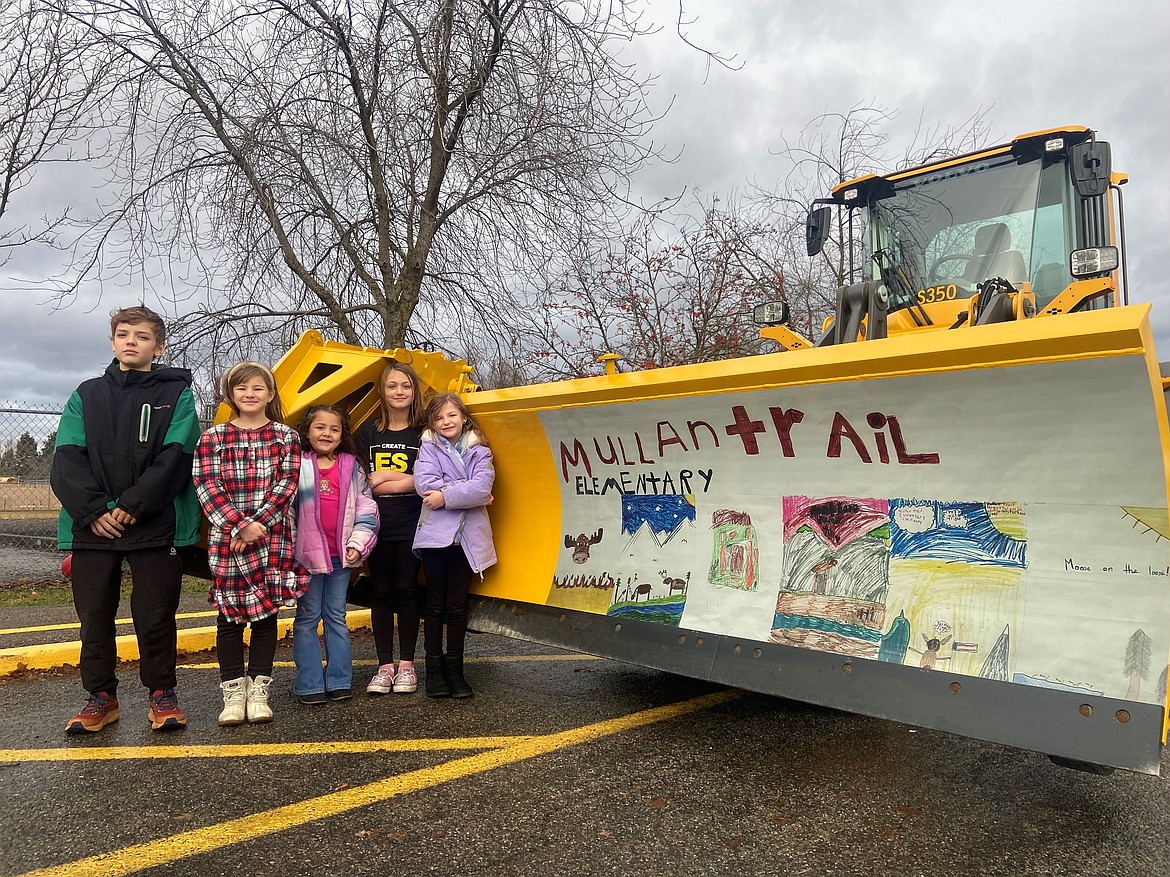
191	639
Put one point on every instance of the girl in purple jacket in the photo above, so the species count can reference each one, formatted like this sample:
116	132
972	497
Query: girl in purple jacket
454	476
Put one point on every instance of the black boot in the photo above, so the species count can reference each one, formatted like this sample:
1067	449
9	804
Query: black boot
453	664
436	679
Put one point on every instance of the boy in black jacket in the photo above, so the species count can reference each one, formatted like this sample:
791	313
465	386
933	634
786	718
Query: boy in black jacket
122	470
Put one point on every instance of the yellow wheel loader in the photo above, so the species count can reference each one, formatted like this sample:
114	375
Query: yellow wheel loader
948	509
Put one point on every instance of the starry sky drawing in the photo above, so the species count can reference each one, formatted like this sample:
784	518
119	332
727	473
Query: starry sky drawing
662	515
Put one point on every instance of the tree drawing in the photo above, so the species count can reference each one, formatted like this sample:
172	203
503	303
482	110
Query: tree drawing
1137	662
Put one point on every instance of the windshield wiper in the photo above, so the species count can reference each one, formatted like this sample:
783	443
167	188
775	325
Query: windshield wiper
895	279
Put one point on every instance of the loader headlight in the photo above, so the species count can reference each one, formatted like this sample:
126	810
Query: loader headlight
771	313
1094	260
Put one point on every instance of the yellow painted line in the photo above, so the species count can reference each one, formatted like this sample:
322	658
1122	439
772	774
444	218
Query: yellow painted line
77	626
215	666
254	750
46	656
140	857
487	659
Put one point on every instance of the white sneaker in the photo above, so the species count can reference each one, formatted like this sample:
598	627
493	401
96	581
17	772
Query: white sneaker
235	694
383	680
258	708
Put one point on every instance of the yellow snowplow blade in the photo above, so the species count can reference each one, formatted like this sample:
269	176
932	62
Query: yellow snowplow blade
988	505
960	530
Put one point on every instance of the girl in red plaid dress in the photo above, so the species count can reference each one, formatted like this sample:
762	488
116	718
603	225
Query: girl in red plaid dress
245	474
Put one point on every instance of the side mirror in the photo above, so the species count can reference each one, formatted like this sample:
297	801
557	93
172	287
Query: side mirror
1091	166
771	313
816	229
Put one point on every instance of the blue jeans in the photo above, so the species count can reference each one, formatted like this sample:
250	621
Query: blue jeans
324	601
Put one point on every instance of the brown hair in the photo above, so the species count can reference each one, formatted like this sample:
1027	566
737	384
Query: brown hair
470	423
415	413
139	314
243	371
346	445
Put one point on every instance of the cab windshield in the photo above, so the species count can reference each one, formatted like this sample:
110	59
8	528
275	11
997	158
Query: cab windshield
937	236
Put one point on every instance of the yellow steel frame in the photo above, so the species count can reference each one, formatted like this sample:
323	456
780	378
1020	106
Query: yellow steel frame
320	372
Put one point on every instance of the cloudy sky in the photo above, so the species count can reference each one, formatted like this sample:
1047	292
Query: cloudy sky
1029	65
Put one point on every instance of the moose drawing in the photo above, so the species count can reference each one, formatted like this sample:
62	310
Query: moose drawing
672	584
640	590
581	545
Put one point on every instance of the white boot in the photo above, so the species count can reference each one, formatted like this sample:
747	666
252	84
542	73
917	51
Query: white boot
234	699
258	708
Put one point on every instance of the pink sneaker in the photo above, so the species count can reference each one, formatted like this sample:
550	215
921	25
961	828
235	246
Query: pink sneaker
406	682
383	680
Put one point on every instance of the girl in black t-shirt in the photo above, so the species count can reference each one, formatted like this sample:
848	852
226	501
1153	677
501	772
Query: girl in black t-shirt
390	444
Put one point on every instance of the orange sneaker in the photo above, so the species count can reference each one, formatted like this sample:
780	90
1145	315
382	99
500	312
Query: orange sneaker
165	714
100	710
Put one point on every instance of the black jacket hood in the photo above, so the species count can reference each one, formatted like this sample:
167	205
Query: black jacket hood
157	374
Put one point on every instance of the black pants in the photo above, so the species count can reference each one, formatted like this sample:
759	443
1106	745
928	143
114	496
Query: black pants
448	581
229	646
157	575
394	571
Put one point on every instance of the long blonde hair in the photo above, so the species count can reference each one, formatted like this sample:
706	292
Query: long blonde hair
243	371
415	413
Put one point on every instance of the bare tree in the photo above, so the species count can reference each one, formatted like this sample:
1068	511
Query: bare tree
337	162
831	149
934	142
677	287
48	79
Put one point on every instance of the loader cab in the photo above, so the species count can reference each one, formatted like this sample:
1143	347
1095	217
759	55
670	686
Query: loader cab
1024	212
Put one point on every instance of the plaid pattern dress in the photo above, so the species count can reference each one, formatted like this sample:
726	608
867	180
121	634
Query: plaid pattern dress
241	476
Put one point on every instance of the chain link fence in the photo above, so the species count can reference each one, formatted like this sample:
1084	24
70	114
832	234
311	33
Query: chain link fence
28	508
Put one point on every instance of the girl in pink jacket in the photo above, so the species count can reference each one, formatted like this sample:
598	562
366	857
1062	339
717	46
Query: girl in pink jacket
337	524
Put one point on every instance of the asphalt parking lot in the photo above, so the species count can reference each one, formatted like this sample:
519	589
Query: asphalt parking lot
561	764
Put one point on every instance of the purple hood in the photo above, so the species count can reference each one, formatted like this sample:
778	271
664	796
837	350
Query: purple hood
466	481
